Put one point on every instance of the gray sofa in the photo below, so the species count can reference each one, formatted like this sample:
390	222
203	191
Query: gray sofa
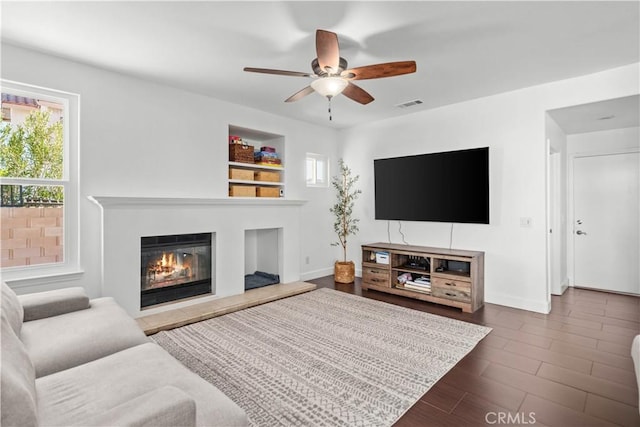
67	360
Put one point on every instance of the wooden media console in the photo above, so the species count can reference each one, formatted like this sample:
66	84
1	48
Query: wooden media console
444	276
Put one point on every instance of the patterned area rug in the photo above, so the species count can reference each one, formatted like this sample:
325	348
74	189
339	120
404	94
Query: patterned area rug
323	358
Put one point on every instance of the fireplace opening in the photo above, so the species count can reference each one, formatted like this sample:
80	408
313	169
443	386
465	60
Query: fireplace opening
174	267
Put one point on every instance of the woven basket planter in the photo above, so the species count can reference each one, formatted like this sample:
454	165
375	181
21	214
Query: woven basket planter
344	272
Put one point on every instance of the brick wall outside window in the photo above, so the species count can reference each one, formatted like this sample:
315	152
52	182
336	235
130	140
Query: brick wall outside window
31	235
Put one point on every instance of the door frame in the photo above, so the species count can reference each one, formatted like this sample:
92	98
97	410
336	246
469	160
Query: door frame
556	284
571	209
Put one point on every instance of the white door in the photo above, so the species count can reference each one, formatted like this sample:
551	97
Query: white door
606	228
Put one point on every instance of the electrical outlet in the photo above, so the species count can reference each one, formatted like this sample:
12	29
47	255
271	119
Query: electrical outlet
526	222
306	260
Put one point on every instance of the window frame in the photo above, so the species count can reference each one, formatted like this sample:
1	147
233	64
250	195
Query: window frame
69	181
315	157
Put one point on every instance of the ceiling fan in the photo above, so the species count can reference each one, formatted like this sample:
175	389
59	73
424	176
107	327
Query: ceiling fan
331	75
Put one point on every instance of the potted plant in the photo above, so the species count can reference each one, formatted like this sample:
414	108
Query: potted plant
345	224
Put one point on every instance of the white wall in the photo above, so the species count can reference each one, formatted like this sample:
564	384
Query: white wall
144	139
513	126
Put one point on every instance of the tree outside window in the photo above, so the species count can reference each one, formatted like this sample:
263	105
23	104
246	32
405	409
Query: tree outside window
31	149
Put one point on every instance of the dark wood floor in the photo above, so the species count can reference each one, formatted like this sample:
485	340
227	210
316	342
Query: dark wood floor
571	367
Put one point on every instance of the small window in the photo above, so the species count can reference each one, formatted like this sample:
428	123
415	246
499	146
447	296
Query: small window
317	170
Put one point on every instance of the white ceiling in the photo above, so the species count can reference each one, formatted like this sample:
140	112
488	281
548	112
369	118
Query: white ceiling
463	50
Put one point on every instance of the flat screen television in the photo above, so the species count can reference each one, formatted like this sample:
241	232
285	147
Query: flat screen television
450	186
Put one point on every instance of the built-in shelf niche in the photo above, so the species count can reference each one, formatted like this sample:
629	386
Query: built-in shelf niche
254	186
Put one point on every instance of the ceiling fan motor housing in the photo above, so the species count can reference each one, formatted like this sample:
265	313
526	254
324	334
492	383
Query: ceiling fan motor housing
315	66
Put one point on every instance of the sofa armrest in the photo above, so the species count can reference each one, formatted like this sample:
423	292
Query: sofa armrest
53	303
167	406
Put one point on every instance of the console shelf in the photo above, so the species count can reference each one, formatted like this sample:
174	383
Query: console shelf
444	276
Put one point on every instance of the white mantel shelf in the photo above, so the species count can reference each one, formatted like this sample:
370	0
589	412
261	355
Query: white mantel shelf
124	202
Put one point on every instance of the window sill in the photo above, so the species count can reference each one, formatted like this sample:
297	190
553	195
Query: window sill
24	279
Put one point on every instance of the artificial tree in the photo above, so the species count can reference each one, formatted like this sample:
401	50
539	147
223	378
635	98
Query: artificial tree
345	224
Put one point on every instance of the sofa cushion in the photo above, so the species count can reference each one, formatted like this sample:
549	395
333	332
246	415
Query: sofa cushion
177	409
12	308
53	303
17	380
77	395
62	342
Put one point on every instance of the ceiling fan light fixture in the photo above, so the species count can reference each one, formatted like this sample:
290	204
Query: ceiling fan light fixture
329	86
331	76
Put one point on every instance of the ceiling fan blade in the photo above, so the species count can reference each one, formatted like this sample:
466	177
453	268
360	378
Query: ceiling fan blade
300	94
357	94
388	69
328	50
278	72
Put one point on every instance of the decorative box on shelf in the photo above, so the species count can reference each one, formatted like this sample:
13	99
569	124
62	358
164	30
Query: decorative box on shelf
243	174
241	153
267	176
268	192
242	190
382	257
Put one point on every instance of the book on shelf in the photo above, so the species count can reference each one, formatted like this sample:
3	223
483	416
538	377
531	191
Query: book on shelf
419	285
411	287
415	285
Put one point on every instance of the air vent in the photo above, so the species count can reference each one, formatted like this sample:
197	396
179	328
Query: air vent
409	103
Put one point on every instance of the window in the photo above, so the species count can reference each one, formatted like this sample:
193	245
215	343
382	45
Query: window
38	180
317	170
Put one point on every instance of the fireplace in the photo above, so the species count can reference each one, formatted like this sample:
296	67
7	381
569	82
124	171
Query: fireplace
174	267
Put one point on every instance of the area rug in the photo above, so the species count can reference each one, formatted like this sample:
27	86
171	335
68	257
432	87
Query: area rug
323	358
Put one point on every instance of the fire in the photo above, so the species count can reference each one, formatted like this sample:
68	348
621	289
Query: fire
167	260
169	266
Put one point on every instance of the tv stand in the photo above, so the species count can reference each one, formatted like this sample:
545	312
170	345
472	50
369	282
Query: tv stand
443	276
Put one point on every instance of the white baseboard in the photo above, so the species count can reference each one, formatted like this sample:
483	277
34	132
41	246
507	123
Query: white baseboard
310	275
543	307
563	287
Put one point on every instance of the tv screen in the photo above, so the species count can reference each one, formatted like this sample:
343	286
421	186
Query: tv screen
451	186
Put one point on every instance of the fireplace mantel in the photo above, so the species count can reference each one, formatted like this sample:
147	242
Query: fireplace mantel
127	219
119	202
